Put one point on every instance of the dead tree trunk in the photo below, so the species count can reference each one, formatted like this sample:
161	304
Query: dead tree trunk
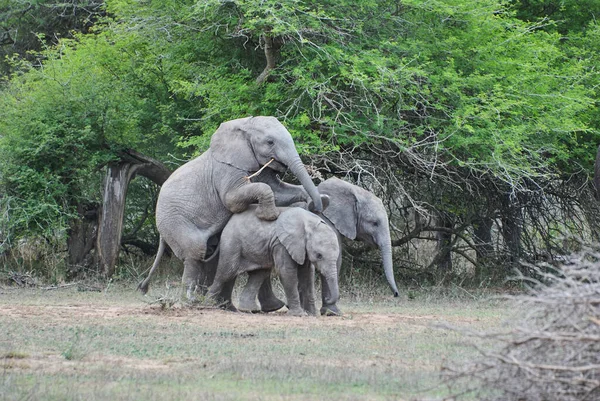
116	183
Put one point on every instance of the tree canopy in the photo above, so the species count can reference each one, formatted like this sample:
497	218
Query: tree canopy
462	110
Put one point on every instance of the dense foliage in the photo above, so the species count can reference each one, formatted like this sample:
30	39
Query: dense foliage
463	111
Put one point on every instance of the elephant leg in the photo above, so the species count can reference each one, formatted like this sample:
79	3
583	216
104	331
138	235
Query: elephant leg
192	270
225	295
248	296
289	279
288	273
328	309
206	275
285	194
220	292
268	301
306	288
238	200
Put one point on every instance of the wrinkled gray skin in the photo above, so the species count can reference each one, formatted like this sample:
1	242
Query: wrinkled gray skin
293	244
198	199
357	214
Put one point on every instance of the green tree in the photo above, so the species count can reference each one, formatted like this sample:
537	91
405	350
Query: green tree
29	26
468	111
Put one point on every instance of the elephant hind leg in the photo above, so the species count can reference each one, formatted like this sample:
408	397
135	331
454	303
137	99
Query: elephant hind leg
256	278
268	301
221	293
192	274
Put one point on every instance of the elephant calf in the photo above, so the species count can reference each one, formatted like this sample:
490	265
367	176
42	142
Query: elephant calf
297	239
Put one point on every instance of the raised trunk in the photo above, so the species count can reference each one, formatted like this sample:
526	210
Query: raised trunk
297	168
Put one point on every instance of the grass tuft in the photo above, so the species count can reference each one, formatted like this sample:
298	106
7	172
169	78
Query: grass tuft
15	355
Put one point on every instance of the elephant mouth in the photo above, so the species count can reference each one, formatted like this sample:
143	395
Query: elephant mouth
278	166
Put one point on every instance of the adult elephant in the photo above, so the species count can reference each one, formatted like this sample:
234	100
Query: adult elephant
357	214
198	199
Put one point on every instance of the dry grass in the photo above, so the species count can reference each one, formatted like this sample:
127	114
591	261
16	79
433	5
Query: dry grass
116	345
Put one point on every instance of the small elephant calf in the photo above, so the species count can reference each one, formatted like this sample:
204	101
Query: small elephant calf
290	244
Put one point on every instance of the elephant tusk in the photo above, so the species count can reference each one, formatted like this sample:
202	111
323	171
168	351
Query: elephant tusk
248	178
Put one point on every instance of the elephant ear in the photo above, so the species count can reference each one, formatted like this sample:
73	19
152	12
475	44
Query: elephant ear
342	210
231	144
290	229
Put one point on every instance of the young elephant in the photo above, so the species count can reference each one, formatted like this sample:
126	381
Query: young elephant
290	244
357	214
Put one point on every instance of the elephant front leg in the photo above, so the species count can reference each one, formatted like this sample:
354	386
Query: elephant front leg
328	309
306	288
288	273
285	194
238	200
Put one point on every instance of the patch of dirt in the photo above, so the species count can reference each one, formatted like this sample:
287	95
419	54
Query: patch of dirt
210	317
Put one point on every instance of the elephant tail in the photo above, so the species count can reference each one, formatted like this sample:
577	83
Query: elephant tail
143	286
214	254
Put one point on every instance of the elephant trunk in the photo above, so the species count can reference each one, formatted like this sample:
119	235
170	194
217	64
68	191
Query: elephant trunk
388	266
297	168
334	291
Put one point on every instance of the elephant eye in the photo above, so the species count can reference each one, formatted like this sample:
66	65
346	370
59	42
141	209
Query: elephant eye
319	256
270	142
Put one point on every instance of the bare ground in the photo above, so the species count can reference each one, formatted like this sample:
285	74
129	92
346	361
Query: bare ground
68	334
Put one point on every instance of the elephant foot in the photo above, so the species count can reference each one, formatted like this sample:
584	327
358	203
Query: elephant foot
312	311
188	294
248	306
330	310
143	287
227	305
271	305
297	312
267	213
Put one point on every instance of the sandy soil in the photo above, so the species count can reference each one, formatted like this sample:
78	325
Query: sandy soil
209	317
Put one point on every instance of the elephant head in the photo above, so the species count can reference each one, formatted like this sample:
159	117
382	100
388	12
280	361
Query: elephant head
252	142
307	238
358	214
